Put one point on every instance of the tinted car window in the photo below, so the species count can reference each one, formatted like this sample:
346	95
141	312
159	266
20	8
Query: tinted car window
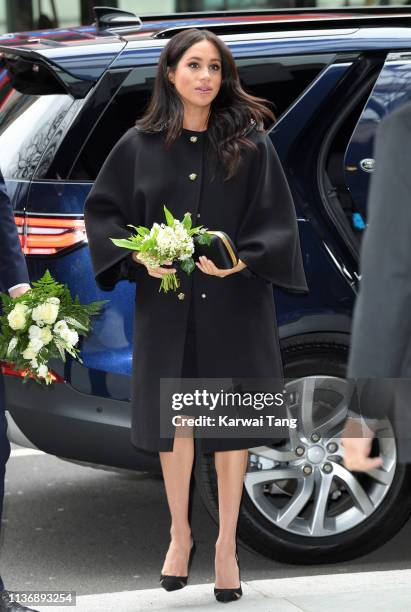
119	115
26	125
279	79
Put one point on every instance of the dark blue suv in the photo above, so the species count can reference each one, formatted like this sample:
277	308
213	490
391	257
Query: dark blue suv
66	97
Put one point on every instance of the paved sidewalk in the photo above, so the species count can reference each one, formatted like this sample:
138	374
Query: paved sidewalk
360	592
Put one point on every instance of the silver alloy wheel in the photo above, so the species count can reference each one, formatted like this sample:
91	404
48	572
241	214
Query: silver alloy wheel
302	486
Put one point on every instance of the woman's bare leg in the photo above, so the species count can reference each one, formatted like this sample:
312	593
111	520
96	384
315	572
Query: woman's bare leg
230	467
177	466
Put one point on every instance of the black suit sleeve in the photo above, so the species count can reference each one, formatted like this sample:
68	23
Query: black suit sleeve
381	329
382	320
13	268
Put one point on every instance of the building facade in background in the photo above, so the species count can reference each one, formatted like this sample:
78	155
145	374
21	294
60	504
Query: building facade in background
22	15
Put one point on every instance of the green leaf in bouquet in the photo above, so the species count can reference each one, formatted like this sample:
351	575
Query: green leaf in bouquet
83	318
60	345
75	323
197	230
146	245
53	351
94	308
204	239
82	313
188	265
143	231
65	298
3	347
169	217
72	351
125	243
187	222
48	284
7	301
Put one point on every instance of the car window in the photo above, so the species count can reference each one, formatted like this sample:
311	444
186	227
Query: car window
26	125
392	89
117	117
279	79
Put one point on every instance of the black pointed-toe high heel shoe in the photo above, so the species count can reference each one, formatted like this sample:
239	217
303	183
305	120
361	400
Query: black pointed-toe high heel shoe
226	595
174	583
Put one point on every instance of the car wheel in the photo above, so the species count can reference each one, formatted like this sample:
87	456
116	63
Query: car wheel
300	504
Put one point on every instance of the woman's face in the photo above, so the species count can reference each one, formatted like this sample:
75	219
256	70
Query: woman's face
197	77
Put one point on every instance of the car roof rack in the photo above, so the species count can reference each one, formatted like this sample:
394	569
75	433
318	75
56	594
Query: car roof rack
114	19
117	21
301	24
366	10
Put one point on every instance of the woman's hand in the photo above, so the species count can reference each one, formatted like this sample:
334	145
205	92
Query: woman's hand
158	272
208	267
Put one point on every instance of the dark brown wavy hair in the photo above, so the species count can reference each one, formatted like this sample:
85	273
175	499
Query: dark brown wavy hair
232	111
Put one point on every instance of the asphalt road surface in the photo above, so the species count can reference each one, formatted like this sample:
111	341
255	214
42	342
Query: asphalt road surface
69	527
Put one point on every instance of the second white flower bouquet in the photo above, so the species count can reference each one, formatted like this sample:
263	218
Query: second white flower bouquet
43	323
166	242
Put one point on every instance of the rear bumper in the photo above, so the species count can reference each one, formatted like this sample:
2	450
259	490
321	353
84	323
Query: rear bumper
67	423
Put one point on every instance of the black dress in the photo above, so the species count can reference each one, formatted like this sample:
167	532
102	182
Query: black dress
213	327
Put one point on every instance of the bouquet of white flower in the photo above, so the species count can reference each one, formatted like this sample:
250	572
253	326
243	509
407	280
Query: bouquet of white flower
164	242
43	323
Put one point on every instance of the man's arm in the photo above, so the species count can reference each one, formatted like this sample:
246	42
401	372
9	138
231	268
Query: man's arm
13	268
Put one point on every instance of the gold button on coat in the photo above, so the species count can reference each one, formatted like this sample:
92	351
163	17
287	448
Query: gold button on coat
193	138
181	296
192	176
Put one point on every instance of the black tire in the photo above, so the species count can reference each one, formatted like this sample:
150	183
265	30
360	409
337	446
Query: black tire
312	354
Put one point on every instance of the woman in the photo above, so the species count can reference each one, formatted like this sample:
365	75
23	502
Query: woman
200	147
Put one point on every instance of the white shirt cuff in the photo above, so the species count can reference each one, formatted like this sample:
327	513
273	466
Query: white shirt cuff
19	285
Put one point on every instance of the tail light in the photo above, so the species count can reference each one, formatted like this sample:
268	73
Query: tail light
42	235
8	370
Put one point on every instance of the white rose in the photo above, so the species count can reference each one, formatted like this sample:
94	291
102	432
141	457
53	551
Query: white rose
59	326
17	318
53	300
33	348
70	336
64	334
45	313
73	338
42	371
46	335
34	331
29	353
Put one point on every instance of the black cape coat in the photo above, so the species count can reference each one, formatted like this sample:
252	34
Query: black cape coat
235	322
